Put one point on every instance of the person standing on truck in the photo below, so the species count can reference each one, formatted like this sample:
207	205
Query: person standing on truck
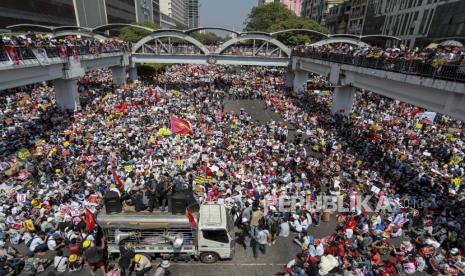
162	191
143	264
126	258
151	192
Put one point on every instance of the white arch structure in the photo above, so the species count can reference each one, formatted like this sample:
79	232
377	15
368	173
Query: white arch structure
170	33
345	40
80	33
253	36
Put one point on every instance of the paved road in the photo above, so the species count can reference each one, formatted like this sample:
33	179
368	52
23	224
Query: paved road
244	264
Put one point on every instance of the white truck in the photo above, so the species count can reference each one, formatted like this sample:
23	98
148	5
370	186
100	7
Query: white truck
171	236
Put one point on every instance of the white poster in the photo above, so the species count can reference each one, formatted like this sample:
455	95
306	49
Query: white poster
41	56
427	116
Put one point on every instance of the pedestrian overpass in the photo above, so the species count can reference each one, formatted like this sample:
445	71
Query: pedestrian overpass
441	93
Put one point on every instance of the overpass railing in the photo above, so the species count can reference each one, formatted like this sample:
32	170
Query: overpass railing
27	53
451	72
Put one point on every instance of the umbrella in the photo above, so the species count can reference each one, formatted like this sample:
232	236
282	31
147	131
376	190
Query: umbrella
452	43
432	46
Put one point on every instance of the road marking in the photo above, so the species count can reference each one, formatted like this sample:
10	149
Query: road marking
222	264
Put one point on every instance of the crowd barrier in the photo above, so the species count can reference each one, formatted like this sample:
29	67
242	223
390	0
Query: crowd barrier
451	72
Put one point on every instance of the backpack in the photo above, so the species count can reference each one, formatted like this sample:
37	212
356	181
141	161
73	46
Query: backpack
29	242
29	268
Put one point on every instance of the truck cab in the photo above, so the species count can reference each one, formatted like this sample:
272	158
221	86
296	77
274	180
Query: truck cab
215	239
171	235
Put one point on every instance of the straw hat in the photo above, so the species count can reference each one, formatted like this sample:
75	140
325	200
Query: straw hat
73	258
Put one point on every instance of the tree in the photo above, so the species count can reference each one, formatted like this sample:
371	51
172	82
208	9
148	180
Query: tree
295	38
261	18
134	34
207	38
275	17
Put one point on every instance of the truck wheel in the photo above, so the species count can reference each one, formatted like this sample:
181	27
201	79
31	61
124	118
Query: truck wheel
209	257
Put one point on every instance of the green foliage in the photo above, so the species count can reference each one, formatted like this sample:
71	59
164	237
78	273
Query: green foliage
275	17
297	23
207	38
150	69
261	18
134	34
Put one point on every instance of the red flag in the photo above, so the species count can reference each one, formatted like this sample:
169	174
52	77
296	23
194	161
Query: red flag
191	218
117	179
150	92
150	103
10	52
374	136
75	52
208	172
181	126
415	112
63	52
90	221
122	107
157	99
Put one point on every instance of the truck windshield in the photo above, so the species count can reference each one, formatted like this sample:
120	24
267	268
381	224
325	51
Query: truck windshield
216	235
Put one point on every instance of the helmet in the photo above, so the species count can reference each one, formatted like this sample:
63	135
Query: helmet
73	258
137	257
244	220
309	192
86	244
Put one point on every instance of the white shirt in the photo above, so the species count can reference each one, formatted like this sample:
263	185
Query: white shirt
262	237
296	225
60	263
319	250
35	242
51	243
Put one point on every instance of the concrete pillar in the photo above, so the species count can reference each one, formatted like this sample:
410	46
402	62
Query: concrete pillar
66	94
119	75
300	79
343	99
290	79
133	73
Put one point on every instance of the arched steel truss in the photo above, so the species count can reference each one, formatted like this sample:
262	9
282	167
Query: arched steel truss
211	28
157	35
343	40
79	33
267	39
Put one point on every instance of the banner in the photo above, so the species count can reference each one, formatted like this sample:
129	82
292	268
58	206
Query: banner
41	56
426	116
12	55
63	52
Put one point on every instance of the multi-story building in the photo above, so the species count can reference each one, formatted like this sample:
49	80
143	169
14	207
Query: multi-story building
84	13
192	13
416	22
318	9
293	5
357	13
175	10
337	19
40	12
263	2
156	11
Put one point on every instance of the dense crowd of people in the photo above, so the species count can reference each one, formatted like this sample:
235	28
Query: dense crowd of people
20	46
438	55
56	166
